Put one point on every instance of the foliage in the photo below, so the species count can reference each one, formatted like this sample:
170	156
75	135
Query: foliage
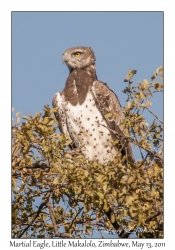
77	197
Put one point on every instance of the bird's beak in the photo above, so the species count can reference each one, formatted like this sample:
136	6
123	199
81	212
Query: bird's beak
64	58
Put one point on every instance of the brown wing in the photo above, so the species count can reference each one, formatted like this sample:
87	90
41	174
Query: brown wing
108	102
57	101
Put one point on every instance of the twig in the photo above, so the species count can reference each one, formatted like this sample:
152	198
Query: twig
45	199
57	233
137	142
101	233
36	165
120	150
143	160
75	217
34	231
152	216
154	114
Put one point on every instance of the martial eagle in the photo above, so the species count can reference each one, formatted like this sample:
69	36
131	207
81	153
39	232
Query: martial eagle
89	111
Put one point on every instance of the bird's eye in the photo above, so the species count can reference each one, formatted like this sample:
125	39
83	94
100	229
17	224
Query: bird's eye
77	54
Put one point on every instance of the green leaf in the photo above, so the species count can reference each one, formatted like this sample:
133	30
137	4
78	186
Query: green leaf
129	75
105	188
26	117
129	200
131	179
140	117
148	103
124	179
108	115
46	149
68	156
157	72
142	95
112	217
128	105
45	120
105	205
145	84
101	197
50	123
56	181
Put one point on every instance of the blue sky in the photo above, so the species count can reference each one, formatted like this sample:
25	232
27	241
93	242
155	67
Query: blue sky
121	41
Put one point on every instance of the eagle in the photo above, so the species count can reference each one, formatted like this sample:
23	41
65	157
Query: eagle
89	112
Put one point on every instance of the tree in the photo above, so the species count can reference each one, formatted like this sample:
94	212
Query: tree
77	197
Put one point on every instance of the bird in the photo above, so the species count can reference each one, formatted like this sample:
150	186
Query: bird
89	112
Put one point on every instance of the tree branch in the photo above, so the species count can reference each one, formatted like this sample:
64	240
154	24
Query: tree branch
75	217
57	233
116	226
154	115
45	199
152	216
137	142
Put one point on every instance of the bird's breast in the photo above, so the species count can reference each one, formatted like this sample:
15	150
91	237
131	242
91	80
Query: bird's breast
88	128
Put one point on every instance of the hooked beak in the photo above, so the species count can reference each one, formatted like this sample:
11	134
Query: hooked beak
64	59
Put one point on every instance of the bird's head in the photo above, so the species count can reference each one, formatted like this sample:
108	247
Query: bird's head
79	58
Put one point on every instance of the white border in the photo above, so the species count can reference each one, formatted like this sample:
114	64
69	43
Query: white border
6	6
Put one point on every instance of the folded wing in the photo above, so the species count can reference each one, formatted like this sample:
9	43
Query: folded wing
109	105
